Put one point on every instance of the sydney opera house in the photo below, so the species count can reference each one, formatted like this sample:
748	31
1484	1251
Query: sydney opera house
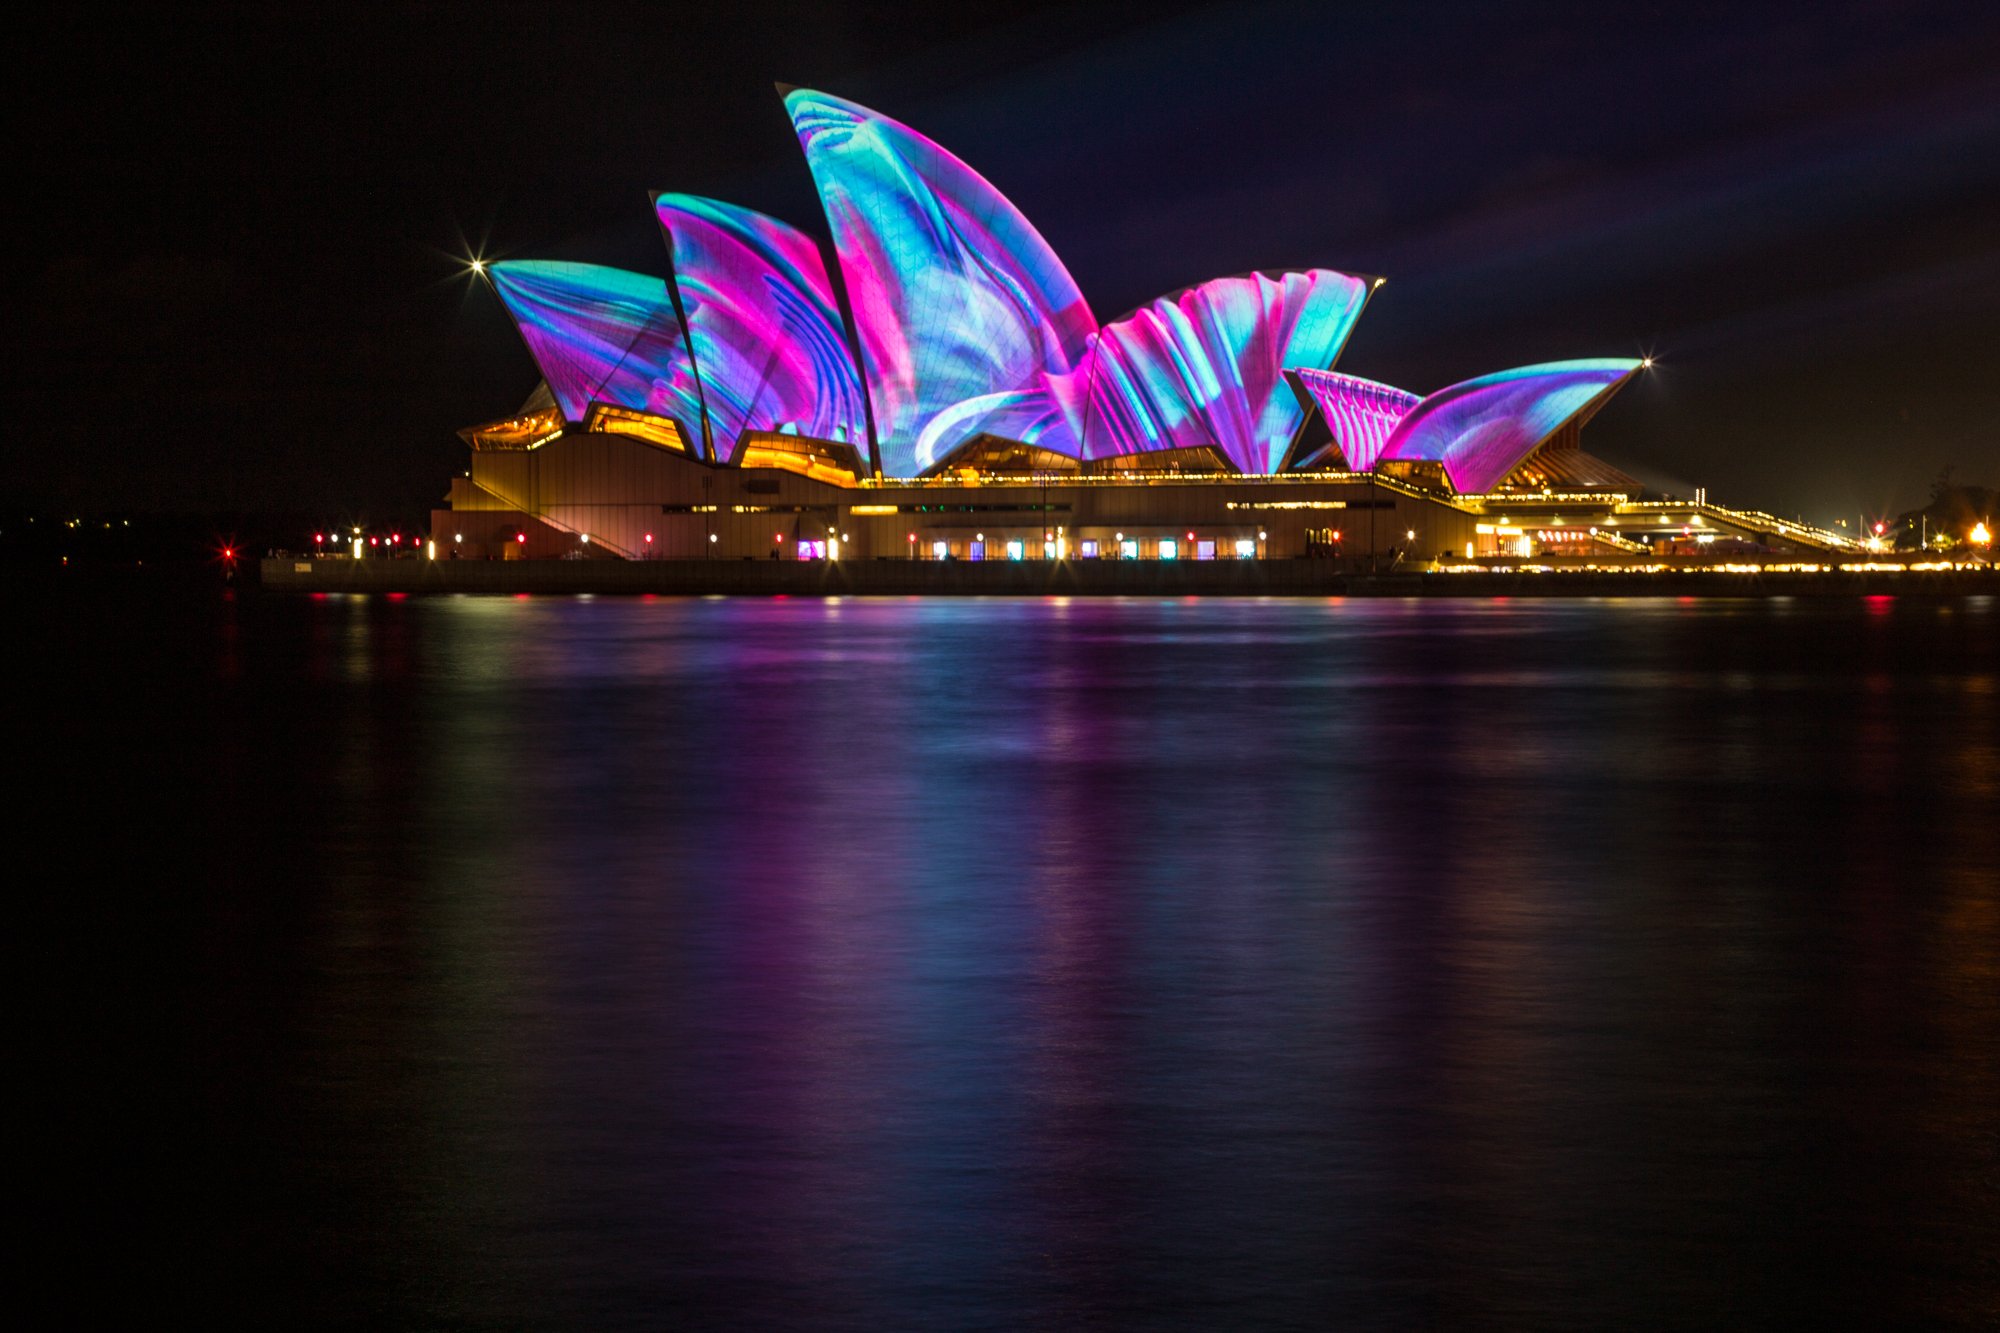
933	385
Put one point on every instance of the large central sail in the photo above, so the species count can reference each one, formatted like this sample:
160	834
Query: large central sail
955	296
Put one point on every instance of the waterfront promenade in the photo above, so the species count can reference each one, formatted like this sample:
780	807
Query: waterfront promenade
1311	578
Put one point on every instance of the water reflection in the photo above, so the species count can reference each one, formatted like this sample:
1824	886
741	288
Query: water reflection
902	963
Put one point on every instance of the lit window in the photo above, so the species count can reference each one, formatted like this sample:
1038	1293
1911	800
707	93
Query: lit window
939	550
1204	550
1169	549
1017	550
1129	549
1090	549
975	551
1245	548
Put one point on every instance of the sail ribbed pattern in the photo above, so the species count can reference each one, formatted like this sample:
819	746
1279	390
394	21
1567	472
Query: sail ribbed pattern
767	336
1482	429
602	335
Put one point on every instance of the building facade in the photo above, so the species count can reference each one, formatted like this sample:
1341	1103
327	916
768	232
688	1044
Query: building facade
930	384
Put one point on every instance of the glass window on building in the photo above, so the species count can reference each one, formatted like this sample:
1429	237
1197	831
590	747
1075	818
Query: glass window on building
1090	548
975	551
1170	549
1204	550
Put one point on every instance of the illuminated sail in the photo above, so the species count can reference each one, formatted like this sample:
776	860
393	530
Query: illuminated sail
1360	413
602	335
1205	366
955	296
767	336
1483	428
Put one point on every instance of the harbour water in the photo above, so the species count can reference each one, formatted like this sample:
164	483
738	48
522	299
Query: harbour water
796	963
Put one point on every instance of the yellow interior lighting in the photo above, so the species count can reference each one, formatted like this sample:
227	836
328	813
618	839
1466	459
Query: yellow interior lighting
515	433
663	432
806	465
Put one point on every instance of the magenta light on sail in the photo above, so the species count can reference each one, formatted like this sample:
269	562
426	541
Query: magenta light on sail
1205	366
602	335
955	296
767	336
1359	412
1482	428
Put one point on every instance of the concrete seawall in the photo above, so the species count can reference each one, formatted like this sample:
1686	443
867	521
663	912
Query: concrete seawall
1084	578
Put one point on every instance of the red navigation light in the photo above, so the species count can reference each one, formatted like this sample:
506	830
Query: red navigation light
396	538
319	538
229	553
520	536
1336	534
649	539
1190	536
913	536
777	536
1878	529
374	541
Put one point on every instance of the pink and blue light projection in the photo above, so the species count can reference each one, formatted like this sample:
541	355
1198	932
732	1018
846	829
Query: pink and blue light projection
955	296
1205	366
602	335
767	335
1359	412
969	324
1482	428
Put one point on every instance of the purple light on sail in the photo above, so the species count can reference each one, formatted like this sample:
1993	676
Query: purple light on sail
602	335
955	296
767	335
1360	413
1482	428
1205	366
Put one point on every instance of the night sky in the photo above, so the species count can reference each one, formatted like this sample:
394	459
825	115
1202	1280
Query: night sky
242	282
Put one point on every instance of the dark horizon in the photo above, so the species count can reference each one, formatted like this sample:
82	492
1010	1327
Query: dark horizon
247	262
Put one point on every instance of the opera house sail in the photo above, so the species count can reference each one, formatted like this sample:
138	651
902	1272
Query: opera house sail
1205	367
934	336
766	337
602	338
959	305
1477	431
